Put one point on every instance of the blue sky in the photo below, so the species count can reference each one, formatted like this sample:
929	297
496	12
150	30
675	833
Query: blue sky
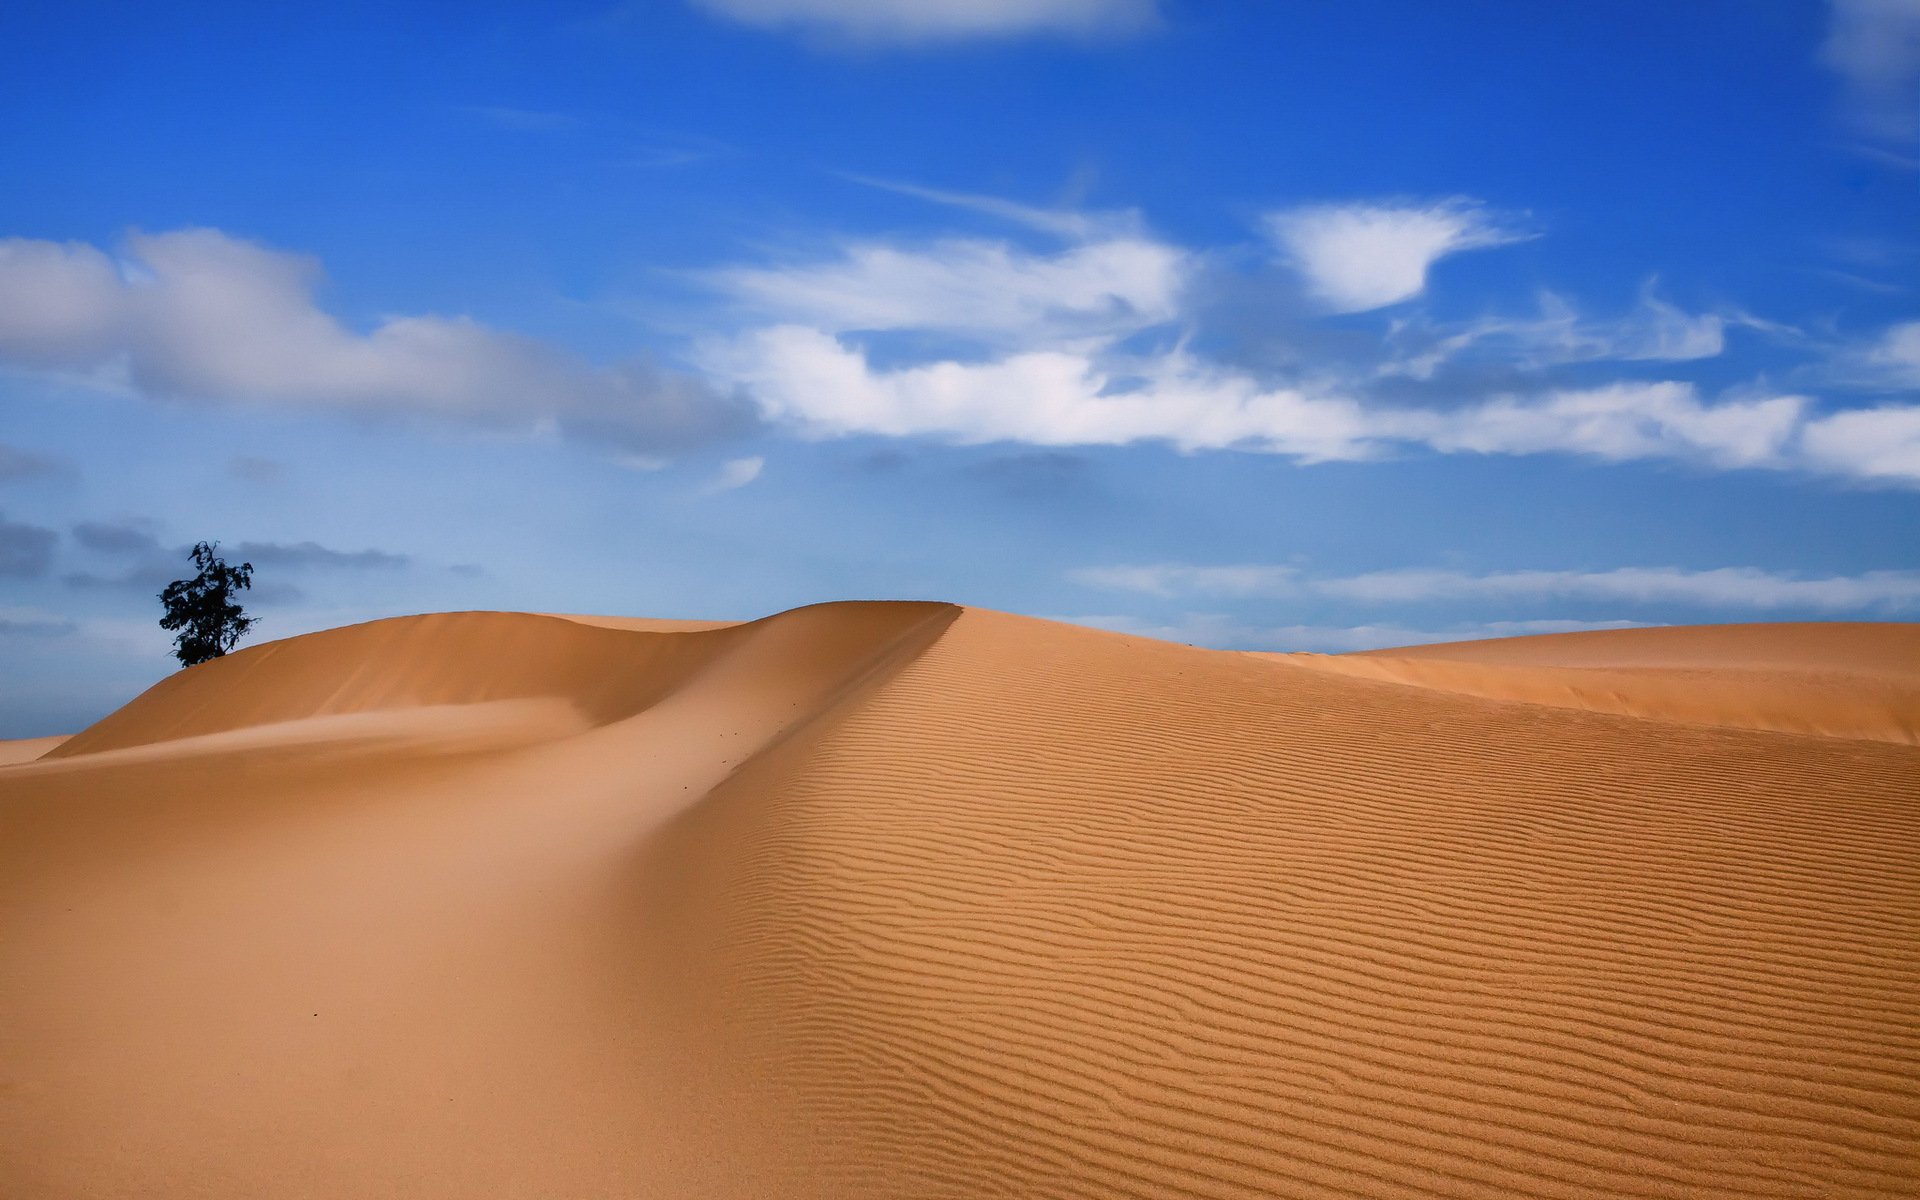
1254	324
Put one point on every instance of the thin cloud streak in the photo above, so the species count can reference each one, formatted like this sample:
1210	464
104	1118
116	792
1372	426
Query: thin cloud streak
1655	330
1086	295
1065	223
1727	588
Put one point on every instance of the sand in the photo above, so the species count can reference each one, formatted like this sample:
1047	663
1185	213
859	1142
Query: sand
909	900
1833	679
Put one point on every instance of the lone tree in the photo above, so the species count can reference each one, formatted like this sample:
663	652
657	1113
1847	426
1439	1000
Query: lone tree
201	611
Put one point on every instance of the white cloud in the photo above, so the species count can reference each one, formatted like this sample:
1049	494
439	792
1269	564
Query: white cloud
1053	398
1364	256
1875	46
1889	362
1066	223
1618	422
923	21
737	473
1873	443
1039	358
198	314
813	381
1722	588
1654	331
61	303
1088	293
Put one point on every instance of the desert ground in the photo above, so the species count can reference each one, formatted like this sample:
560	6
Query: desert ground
910	900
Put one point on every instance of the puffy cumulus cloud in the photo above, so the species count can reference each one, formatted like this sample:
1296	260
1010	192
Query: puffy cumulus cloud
1727	588
924	21
198	314
1085	294
817	383
61	303
1875	47
1362	256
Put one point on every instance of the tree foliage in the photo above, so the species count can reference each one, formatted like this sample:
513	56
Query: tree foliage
201	612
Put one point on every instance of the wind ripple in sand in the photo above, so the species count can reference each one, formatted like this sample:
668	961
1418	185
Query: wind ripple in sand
1064	913
866	900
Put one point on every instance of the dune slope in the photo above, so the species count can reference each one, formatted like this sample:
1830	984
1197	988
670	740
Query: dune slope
893	900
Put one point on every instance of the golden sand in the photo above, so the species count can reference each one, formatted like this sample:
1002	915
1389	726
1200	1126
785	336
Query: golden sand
905	900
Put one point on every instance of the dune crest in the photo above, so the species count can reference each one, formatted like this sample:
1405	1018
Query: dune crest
907	900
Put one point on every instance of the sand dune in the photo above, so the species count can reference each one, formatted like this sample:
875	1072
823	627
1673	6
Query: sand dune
18	750
908	900
1833	680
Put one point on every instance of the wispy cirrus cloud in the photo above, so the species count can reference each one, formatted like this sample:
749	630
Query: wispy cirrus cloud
921	22
1088	293
1366	255
1654	330
1724	588
1072	224
1889	361
200	315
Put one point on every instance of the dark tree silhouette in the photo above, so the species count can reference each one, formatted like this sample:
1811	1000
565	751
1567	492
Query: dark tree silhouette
201	611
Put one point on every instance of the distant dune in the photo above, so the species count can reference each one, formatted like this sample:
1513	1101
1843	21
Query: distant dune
906	900
1832	679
